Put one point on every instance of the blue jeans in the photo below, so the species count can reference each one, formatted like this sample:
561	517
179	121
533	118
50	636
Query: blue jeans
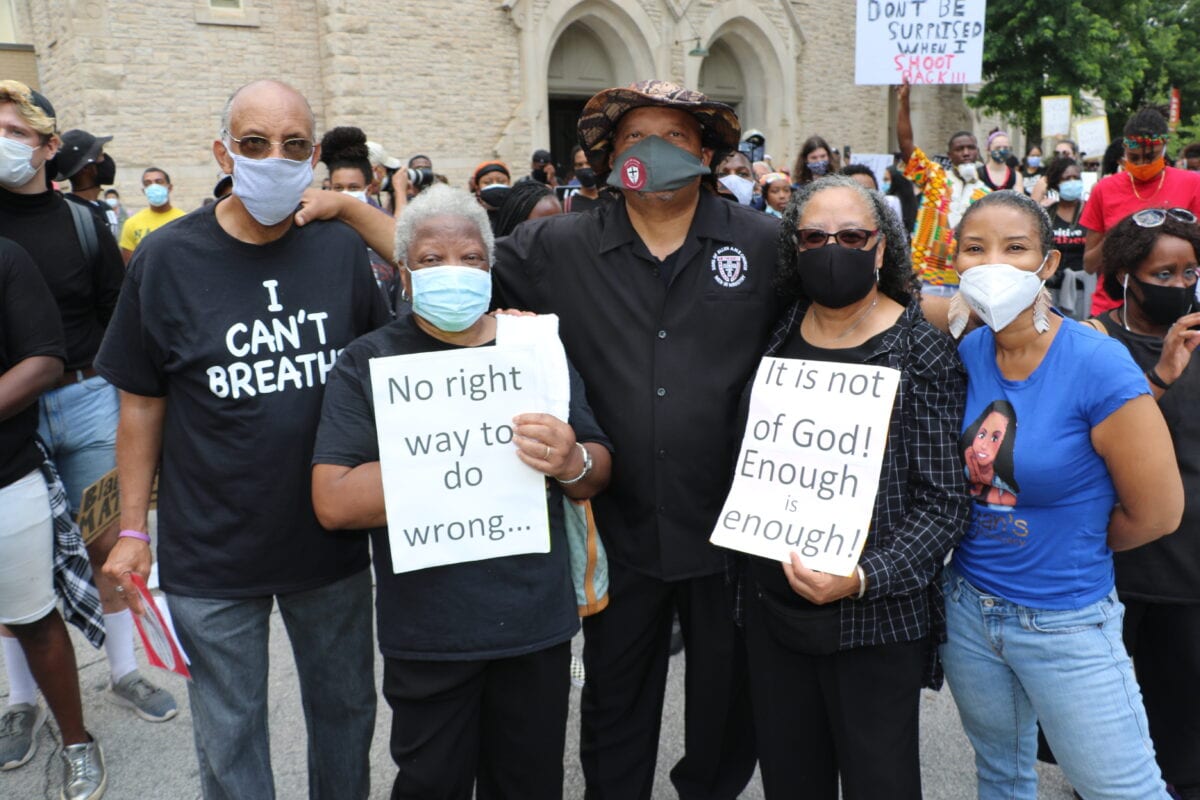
331	633
1010	667
78	424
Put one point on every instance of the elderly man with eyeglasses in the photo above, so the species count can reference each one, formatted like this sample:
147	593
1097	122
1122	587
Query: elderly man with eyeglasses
229	321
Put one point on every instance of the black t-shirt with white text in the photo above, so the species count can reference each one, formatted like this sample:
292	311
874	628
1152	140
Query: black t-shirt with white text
497	608
239	339
29	327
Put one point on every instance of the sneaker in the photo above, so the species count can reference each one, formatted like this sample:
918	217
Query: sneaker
18	734
84	777
578	676
147	700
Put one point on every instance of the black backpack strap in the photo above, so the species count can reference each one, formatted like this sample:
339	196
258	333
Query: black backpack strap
85	229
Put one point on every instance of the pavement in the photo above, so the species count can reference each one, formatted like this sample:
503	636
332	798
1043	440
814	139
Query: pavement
149	761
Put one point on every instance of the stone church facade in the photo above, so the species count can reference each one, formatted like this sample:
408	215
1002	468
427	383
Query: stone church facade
458	80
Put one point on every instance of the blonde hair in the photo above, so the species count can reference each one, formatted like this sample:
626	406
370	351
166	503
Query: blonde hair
21	96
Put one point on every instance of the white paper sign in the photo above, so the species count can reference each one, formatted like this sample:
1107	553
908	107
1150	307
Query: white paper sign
1091	135
1056	115
808	470
925	41
453	486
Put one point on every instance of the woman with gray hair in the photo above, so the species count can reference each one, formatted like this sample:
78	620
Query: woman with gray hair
476	654
839	662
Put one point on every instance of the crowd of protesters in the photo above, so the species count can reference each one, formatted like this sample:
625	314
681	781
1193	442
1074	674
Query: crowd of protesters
1035	536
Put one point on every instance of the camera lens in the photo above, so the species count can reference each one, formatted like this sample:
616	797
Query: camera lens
420	178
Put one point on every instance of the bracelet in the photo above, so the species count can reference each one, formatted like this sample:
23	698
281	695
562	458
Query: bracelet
128	534
1152	374
587	467
862	583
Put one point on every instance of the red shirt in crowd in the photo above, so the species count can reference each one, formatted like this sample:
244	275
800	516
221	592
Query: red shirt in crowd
1116	197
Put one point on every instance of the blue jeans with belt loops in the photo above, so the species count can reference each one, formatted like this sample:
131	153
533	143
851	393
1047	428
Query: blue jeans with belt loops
1010	666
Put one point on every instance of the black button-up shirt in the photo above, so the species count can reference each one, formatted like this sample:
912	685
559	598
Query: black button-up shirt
664	360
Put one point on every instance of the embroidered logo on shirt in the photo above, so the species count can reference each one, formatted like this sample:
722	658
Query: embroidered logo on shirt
634	175
729	267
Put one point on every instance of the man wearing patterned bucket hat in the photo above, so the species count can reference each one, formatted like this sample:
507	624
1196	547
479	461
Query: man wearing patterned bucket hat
665	305
665	300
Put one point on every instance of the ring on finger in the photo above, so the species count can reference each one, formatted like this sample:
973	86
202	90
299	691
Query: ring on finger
547	456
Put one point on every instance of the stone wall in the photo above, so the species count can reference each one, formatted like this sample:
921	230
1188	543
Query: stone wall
460	81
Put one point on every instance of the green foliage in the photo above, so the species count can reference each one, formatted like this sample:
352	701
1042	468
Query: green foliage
1126	52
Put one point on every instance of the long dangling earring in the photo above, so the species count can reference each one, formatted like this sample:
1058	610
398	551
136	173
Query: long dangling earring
1041	311
1125	301
958	314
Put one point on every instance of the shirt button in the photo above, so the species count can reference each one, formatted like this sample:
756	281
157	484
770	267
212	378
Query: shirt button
662	334
661	392
654	272
662	453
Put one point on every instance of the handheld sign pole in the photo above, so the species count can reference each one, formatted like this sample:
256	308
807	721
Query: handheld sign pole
808	470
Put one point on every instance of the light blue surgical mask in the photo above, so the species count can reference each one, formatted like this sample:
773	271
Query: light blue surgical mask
157	194
16	168
451	298
1070	190
270	188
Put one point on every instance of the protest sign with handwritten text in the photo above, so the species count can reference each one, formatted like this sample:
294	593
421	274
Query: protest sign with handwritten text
921	41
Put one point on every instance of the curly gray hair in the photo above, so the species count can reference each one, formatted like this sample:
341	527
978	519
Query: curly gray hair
896	279
440	200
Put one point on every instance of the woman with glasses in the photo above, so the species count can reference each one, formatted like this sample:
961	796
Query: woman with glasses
839	662
1150	260
1033	619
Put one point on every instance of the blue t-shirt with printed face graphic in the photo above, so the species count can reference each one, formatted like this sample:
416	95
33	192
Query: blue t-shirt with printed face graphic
1043	495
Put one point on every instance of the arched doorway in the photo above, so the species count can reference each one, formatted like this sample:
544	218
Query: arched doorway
721	76
579	67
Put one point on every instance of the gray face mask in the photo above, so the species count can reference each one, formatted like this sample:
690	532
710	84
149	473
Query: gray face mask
655	165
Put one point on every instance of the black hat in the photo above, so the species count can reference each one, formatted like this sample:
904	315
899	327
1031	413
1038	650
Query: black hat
79	148
41	102
542	156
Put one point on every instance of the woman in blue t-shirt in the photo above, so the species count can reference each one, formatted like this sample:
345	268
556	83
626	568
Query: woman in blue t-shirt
1034	623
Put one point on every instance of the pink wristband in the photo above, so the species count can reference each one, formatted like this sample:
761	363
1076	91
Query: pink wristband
128	534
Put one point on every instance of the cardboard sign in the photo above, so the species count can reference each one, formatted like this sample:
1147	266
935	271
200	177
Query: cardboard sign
923	41
1056	115
1091	135
454	488
100	506
158	634
808	470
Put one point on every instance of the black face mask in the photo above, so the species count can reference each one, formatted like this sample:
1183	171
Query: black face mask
539	175
1162	305
106	171
834	276
586	177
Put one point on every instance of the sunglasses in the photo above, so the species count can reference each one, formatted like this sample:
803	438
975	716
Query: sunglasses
1153	217
260	147
853	238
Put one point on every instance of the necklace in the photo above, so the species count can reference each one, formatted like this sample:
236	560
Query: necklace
1133	185
857	320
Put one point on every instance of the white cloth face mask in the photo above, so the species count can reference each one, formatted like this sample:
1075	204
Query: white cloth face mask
998	293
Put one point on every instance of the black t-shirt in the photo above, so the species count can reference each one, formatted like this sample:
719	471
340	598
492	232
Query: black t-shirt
86	293
1069	238
495	608
29	327
1168	569
664	362
240	338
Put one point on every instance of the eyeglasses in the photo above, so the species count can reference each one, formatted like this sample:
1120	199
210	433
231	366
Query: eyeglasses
1153	217
853	238
260	147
